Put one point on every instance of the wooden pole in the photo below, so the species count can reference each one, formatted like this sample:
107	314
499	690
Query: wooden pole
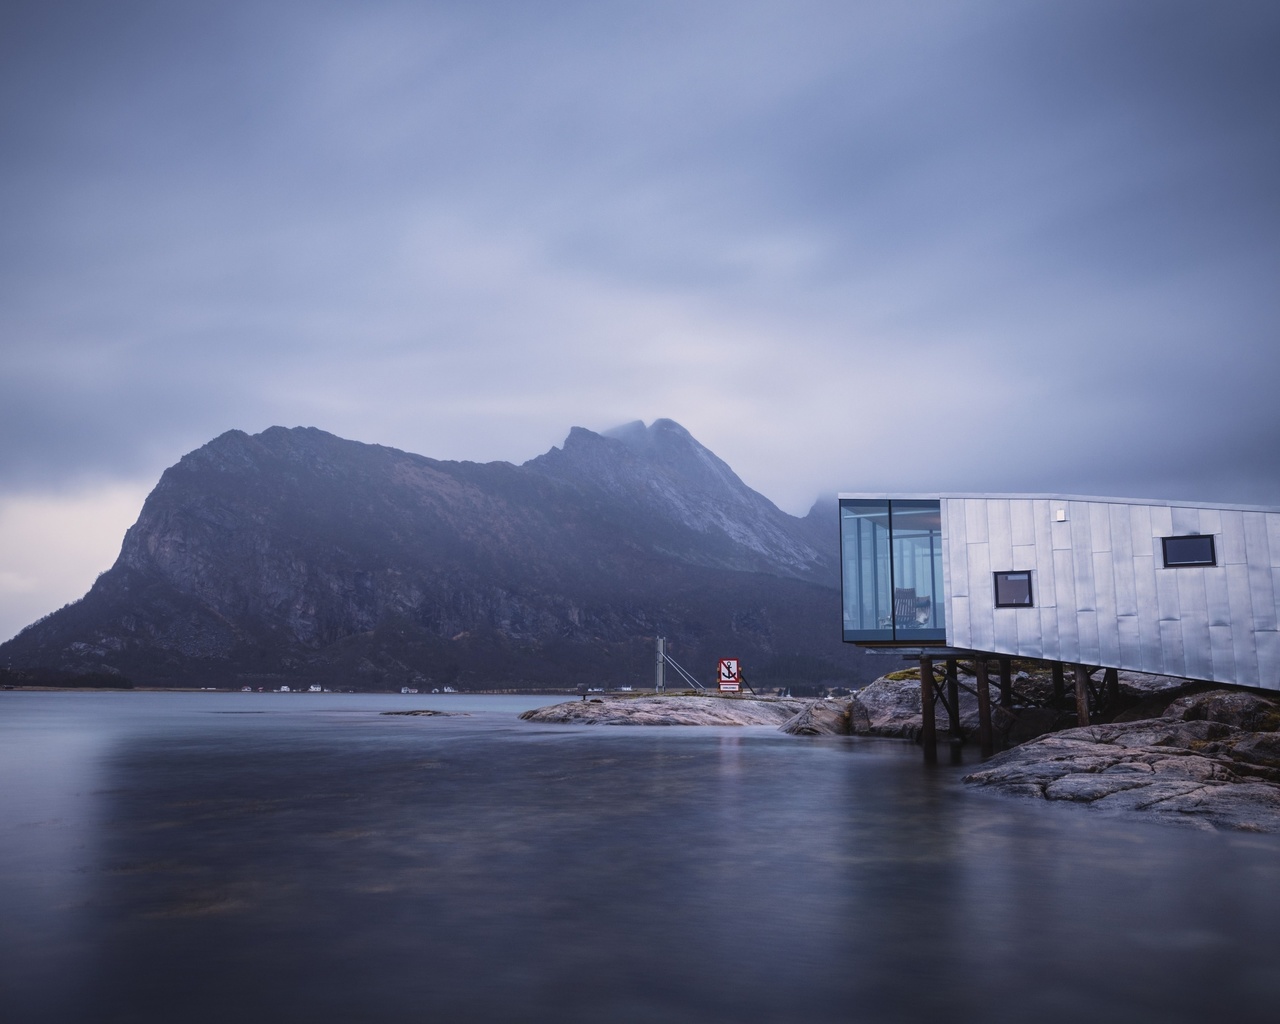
1082	696
1006	683
1111	689
1059	685
953	700
928	729
984	710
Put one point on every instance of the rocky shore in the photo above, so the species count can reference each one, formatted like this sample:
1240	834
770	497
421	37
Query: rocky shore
1174	751
1209	760
708	709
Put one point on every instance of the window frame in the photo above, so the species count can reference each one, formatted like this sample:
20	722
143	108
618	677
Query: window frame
996	576
1213	551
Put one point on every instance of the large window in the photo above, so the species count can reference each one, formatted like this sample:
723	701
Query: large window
1195	550
891	560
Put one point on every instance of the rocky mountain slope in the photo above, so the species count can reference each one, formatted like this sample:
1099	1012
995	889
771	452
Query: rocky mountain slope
297	556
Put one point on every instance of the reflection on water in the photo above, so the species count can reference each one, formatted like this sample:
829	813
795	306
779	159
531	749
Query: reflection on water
184	857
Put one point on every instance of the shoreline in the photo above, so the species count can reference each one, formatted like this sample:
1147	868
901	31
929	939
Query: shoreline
1183	753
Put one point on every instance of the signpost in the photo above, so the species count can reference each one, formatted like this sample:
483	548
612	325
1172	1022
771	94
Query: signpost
729	675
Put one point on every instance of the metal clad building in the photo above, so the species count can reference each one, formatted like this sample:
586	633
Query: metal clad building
1156	587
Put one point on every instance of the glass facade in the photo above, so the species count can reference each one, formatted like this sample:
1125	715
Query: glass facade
891	570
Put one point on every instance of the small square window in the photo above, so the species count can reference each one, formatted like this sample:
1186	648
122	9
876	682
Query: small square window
1013	590
1196	550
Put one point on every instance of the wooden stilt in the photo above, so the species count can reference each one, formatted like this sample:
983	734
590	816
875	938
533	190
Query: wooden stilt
1006	683
953	709
928	729
984	709
1082	696
1059	685
1111	689
953	699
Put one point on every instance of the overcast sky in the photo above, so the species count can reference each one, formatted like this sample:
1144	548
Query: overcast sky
849	245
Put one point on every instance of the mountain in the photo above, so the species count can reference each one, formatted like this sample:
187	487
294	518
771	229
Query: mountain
296	556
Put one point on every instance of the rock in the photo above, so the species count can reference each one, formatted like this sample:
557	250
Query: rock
1258	748
891	707
1184	771
673	710
426	713
1159	732
1237	708
859	719
821	718
1088	788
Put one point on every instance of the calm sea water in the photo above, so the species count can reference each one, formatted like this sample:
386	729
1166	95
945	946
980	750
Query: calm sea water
300	857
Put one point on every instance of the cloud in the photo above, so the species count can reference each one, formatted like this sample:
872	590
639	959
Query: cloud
847	245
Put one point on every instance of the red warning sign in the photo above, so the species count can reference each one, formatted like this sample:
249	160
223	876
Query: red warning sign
729	675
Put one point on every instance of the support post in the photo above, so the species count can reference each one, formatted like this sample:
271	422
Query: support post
1082	696
1006	683
1059	685
1111	689
985	740
953	705
660	678
928	729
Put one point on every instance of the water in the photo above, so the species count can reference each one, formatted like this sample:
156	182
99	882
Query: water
300	857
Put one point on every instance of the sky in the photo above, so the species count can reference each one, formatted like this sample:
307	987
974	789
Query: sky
857	245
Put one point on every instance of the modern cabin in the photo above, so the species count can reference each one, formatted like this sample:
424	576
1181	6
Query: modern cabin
1159	587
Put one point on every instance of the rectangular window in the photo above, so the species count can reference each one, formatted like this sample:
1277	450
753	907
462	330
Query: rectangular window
1197	550
891	562
1013	590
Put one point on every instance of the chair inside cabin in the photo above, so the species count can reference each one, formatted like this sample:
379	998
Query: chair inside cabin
910	611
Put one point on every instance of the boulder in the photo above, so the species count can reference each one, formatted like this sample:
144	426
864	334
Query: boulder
1238	708
821	718
891	708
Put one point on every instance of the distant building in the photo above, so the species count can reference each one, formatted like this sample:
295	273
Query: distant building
1160	587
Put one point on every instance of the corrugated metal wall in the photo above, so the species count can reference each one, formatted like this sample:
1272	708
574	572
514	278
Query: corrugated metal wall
1102	594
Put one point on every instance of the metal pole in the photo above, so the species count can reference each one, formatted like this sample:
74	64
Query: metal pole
928	729
660	682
